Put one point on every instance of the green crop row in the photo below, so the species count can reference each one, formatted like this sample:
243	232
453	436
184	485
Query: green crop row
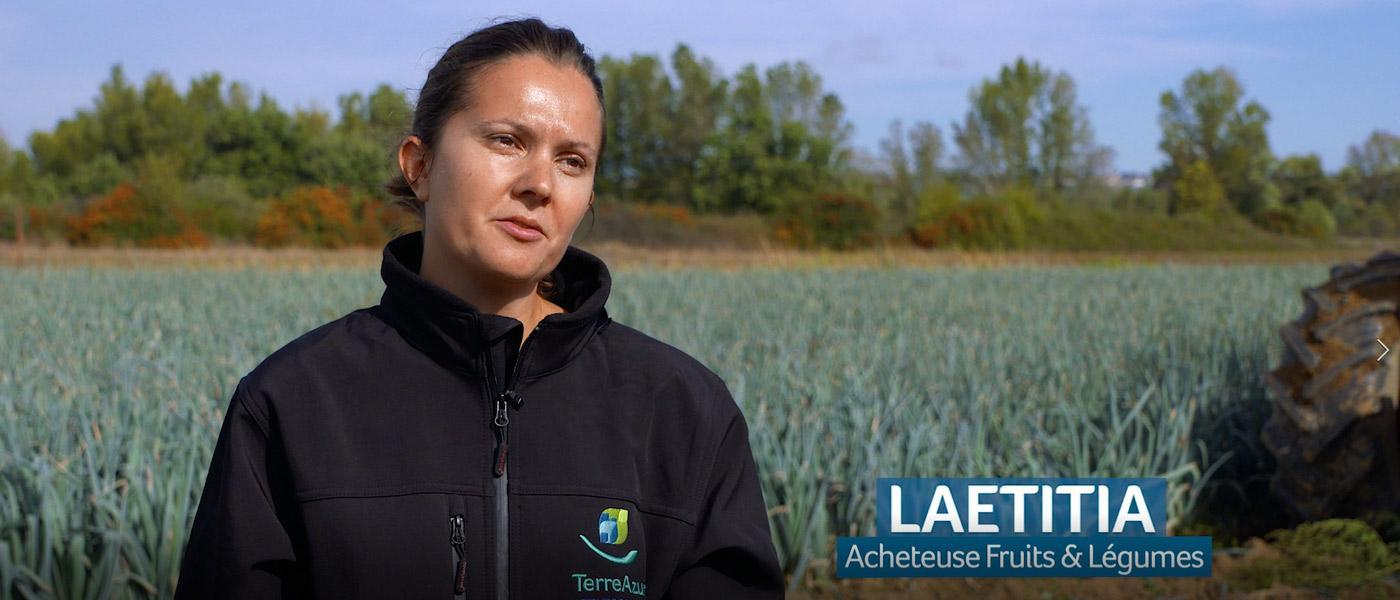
113	385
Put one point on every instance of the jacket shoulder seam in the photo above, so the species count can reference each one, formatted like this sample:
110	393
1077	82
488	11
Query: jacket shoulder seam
240	395
717	398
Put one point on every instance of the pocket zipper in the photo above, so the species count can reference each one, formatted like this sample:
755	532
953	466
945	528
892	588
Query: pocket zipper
459	552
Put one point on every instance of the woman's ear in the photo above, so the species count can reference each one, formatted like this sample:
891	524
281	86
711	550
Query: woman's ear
413	163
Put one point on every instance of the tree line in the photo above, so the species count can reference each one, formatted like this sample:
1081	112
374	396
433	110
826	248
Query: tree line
148	165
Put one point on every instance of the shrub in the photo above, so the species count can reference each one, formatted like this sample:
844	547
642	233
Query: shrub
830	220
1311	219
93	226
935	202
673	213
42	222
326	217
1370	220
982	223
222	206
1278	219
22	222
1148	200
133	214
669	226
376	222
306	216
985	223
98	175
1198	189
1315	221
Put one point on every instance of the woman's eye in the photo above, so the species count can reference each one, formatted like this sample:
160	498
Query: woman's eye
574	163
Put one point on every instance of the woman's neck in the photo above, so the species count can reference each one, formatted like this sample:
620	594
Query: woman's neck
520	302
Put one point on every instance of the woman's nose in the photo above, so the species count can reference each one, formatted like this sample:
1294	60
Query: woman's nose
536	179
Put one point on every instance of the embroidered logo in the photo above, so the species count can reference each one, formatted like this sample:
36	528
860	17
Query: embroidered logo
612	530
612	526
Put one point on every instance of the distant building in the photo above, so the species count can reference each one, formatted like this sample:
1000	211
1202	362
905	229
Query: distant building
1135	181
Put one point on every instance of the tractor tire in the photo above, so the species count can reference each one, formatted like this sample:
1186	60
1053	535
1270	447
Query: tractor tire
1333	431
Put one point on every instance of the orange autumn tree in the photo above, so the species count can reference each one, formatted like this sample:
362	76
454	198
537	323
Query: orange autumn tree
93	226
325	217
151	211
134	213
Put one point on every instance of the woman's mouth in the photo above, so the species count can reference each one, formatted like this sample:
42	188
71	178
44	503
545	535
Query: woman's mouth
519	231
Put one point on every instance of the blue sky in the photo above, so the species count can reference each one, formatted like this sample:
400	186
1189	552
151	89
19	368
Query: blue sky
1327	70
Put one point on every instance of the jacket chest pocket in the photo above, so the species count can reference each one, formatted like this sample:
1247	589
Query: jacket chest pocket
580	546
415	545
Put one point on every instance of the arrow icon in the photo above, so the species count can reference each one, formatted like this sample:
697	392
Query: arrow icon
1387	349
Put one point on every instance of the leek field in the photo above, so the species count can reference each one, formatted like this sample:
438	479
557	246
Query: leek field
113	383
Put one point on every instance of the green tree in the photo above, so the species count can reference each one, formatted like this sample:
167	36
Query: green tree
358	161
120	119
257	145
11	205
1025	127
353	111
383	116
926	153
204	102
167	125
638	94
913	159
699	100
1315	220
97	175
736	171
1372	171
1197	190
358	151
226	151
781	139
901	184
1301	178
1206	123
659	124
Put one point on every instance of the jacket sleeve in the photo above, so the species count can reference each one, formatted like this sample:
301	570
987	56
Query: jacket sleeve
239	545
732	555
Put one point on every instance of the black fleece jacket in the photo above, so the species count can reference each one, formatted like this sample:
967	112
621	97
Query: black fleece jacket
413	449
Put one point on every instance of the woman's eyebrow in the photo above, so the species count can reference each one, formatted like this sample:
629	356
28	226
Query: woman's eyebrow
577	145
516	125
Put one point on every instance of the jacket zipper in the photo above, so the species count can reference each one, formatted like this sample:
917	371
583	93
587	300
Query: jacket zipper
509	397
459	553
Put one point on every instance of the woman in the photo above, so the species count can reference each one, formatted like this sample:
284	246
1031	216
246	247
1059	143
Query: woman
486	430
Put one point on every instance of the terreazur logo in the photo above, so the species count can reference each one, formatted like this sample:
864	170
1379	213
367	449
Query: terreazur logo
612	530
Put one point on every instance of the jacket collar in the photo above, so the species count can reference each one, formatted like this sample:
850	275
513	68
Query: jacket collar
458	336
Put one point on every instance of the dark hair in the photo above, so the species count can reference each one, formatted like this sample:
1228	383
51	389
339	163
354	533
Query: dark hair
450	81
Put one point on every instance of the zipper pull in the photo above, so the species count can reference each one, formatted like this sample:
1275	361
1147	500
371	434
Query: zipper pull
501	459
501	420
513	398
459	544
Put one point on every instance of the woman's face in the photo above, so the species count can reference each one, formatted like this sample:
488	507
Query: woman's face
511	176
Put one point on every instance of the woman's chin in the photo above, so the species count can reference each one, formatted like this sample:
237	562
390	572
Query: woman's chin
517	267
508	263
